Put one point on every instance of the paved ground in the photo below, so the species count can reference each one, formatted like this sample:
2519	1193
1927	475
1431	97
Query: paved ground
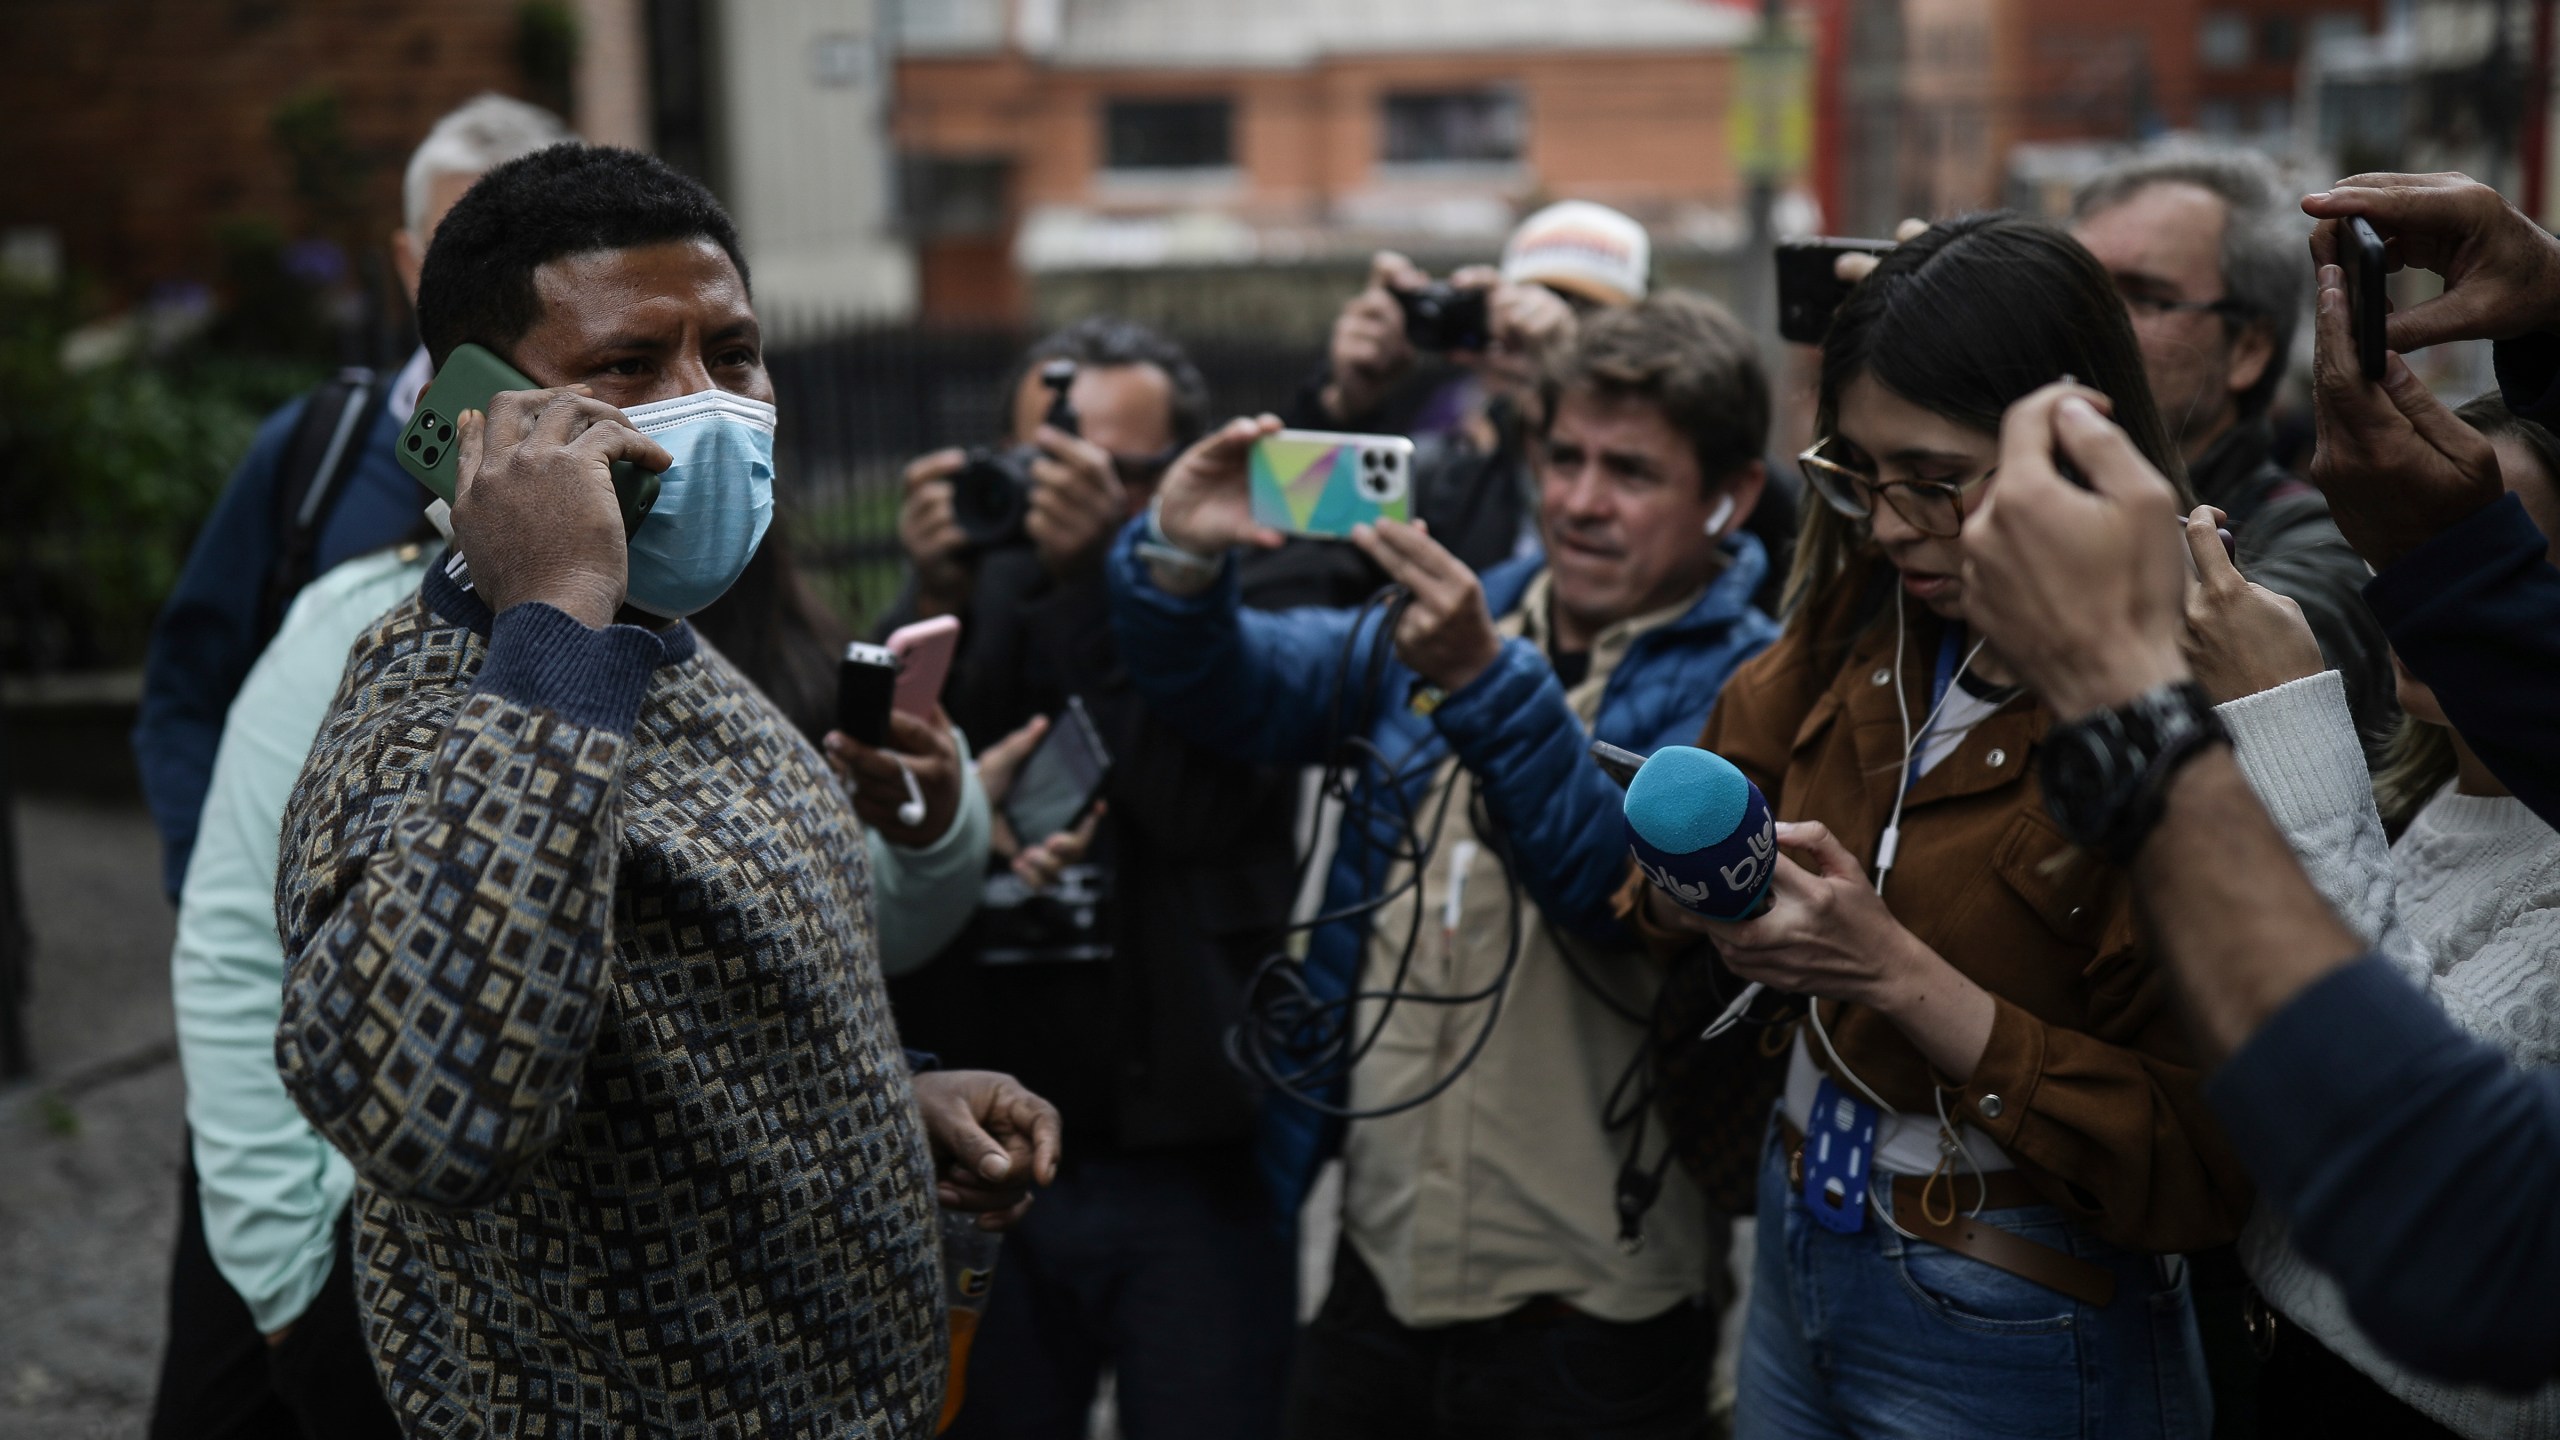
89	1147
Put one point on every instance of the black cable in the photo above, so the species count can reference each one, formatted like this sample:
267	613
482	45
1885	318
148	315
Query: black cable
1292	1041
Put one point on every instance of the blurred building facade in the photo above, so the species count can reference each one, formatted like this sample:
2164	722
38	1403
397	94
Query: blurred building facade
1962	85
1060	153
145	143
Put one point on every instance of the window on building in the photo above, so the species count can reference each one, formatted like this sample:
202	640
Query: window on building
2223	41
2280	39
1454	126
942	197
1168	135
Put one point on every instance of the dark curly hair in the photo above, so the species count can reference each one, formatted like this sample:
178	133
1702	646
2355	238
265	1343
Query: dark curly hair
477	284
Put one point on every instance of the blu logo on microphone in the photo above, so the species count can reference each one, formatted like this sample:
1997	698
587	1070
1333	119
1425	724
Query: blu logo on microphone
1702	833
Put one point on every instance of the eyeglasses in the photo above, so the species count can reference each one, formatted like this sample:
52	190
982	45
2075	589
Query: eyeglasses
1145	469
1932	507
2140	305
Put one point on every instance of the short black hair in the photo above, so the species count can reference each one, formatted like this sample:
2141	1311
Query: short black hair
477	283
1105	341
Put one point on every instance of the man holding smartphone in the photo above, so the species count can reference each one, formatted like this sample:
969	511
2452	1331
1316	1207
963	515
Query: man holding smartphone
1488	1265
1106	961
583	979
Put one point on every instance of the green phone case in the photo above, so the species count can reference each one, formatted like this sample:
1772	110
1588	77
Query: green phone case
470	377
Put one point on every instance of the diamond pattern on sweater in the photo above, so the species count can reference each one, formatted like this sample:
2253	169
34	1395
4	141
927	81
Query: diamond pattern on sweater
598	1020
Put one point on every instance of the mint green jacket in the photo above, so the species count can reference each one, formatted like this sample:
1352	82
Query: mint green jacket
272	1189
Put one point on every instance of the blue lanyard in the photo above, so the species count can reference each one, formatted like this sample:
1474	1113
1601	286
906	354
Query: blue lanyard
1950	655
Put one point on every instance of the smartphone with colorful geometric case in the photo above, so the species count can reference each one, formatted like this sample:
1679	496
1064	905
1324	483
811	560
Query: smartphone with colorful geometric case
1319	482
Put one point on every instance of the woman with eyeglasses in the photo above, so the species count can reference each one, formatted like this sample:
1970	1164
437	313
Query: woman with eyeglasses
2008	1146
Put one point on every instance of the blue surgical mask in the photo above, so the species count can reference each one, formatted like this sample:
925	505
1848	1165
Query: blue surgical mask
714	502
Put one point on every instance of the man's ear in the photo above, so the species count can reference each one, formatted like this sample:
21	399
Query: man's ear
410	260
2252	351
1743	485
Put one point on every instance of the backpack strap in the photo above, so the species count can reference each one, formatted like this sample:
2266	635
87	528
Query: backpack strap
326	448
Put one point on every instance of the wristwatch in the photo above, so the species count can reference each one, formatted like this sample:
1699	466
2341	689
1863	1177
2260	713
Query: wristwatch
2106	776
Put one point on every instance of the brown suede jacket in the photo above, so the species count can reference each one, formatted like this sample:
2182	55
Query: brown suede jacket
2089	1082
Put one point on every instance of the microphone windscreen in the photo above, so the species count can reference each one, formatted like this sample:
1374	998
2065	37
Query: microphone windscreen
1702	832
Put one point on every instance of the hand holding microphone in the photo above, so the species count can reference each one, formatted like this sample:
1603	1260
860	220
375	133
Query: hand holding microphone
1786	904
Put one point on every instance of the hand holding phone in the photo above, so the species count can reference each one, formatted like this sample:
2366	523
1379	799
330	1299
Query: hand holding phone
1809	283
1061	779
1320	482
429	445
2362	259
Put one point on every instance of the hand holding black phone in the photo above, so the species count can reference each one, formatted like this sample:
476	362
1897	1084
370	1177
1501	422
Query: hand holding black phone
1060	780
2363	264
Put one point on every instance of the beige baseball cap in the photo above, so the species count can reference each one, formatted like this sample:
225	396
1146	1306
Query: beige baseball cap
1581	248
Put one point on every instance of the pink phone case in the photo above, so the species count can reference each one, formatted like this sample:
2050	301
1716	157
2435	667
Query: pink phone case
924	652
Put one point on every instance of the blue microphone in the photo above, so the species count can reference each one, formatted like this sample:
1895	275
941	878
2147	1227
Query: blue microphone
1702	833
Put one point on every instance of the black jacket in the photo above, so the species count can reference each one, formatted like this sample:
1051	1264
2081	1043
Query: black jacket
2287	543
1112	997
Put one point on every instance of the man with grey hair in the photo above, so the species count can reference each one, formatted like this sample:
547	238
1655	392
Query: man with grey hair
2209	255
320	484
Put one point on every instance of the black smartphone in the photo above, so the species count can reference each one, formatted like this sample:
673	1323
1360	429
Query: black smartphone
866	683
1621	764
1809	283
2361	257
1061	779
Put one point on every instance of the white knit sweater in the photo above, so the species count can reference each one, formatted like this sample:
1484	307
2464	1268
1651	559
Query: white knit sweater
2467	905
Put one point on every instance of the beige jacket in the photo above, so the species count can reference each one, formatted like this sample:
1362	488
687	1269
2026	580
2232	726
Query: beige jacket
1502	1189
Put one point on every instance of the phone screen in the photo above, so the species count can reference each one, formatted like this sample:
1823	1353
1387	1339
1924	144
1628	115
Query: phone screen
1060	780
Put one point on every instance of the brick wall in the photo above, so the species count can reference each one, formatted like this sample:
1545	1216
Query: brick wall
132	127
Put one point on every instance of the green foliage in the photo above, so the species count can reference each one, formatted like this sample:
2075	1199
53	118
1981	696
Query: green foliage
328	170
106	473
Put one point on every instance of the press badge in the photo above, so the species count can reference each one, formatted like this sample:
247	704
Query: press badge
1839	1145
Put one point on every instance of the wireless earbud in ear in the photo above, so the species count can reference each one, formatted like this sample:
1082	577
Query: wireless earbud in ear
912	812
1724	512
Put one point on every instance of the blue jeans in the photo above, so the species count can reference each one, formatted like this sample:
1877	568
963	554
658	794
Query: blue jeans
1872	1335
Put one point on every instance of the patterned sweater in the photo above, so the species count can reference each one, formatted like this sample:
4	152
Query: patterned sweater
584	986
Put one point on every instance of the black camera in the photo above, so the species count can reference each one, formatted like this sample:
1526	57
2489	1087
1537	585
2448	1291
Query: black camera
991	492
1440	316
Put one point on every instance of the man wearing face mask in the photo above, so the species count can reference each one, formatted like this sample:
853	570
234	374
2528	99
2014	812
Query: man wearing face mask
583	979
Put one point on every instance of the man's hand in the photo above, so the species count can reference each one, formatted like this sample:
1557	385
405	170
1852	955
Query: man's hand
534	509
1045	864
1853	267
1447	634
992	1141
2396	465
1205	502
879	777
1077	502
2501	271
2081	590
932	537
2241	638
1527	323
1369	353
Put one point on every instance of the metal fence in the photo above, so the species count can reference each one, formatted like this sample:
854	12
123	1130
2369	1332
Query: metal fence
860	400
